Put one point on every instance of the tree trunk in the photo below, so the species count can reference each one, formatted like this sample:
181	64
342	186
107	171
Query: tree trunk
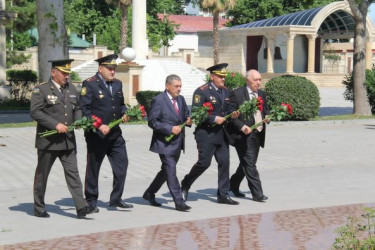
216	36
124	26
53	42
361	102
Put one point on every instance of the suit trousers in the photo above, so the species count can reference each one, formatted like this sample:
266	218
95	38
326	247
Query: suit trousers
68	159
168	173
97	149
248	152
206	151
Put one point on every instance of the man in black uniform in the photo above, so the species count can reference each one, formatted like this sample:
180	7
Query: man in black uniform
211	140
102	95
54	105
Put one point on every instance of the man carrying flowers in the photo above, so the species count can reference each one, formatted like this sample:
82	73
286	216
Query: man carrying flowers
54	106
102	95
168	111
247	141
209	134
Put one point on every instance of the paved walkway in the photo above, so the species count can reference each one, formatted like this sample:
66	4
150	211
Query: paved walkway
305	165
315	174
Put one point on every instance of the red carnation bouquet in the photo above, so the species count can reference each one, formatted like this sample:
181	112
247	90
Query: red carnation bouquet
198	115
135	113
248	108
276	114
84	123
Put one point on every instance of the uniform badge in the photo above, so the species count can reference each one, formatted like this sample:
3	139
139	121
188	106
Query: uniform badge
213	99
101	94
197	99
36	90
83	91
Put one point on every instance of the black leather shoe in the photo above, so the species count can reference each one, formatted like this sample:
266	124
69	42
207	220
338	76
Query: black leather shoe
85	210
151	199
121	204
227	200
237	193
183	208
260	199
41	214
185	193
95	209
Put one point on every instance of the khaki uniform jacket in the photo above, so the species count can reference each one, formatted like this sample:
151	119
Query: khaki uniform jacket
48	108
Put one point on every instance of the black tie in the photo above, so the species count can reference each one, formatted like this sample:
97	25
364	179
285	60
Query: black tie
219	91
109	86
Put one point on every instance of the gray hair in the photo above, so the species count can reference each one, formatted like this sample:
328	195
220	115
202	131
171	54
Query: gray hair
172	78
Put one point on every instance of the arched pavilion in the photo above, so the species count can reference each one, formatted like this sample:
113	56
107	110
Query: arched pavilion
292	43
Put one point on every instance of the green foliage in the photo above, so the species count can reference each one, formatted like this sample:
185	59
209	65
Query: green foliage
234	80
144	98
22	82
263	9
358	233
74	77
26	17
200	113
14	57
297	91
370	86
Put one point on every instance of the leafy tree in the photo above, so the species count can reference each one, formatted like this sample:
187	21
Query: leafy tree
359	9
124	8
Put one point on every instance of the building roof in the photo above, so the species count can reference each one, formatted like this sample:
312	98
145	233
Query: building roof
74	41
190	24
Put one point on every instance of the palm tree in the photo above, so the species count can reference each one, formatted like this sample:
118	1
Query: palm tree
124	6
216	7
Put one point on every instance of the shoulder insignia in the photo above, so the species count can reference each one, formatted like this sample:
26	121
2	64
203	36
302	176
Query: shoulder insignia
36	90
91	78
197	98
204	86
83	91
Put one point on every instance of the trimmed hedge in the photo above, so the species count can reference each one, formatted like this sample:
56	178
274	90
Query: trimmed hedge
370	86
22	81
145	97
298	91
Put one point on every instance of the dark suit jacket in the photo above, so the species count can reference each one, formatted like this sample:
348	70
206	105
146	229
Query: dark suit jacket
237	97
48	108
161	118
96	99
205	131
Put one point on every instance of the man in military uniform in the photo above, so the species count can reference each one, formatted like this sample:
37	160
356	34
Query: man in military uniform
102	95
209	135
54	105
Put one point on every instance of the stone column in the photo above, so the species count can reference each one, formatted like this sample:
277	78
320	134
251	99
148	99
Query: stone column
311	55
270	50
290	53
130	74
368	53
139	34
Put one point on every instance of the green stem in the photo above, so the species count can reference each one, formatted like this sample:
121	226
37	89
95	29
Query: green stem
114	123
169	137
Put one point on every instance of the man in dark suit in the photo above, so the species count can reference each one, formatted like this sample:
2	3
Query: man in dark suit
102	95
168	111
54	105
209	135
250	140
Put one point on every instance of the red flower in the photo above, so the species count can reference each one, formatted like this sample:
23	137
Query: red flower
97	121
143	111
288	106
260	103
233	74
210	108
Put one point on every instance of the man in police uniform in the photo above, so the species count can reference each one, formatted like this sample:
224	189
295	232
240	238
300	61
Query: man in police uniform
54	105
211	140
102	95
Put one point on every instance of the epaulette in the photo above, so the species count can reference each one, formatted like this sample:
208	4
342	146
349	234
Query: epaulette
93	78
204	86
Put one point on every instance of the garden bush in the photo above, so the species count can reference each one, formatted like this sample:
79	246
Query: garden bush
145	97
232	80
370	86
298	91
22	82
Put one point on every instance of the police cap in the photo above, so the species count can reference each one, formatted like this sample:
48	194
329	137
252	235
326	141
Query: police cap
108	61
219	69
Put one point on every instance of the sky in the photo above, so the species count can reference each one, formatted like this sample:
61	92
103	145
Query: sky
371	12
